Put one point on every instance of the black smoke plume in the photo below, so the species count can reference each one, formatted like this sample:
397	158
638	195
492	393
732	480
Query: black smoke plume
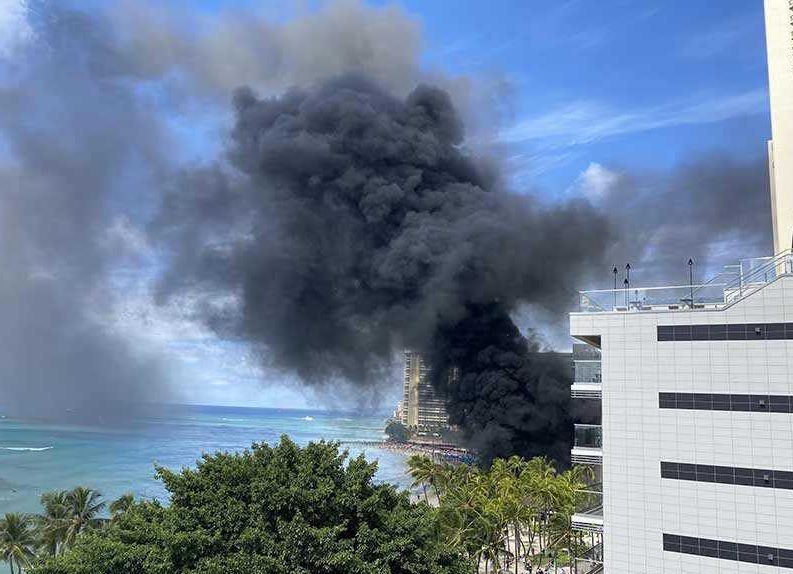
508	397
367	227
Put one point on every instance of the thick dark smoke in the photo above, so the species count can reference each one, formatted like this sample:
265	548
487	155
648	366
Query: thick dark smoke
367	228
509	397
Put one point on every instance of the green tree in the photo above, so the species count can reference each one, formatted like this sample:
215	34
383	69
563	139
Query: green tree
83	506
396	431
17	540
423	471
515	511
270	510
52	524
121	504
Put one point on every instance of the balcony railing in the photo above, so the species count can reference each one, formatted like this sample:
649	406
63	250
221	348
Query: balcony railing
588	436
588	372
588	445
584	352
586	390
591	501
731	285
652	298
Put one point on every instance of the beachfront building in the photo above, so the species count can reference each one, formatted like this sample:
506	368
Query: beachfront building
422	409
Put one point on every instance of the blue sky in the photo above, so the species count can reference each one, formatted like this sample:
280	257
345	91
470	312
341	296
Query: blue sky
654	81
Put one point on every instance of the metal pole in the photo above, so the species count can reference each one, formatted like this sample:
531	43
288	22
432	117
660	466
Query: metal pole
691	280
615	286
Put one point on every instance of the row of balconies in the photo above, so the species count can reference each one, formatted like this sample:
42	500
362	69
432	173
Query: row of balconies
588	449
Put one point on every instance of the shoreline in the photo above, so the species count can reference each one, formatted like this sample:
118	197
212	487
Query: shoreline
441	451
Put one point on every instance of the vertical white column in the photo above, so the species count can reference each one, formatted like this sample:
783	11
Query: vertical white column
779	41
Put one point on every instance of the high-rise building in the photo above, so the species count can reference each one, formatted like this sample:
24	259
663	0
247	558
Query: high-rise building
779	41
422	409
695	449
696	442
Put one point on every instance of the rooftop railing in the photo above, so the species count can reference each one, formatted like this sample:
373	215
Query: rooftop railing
729	286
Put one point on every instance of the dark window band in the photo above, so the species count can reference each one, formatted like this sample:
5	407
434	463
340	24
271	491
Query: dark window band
781	557
724	402
733	332
761	477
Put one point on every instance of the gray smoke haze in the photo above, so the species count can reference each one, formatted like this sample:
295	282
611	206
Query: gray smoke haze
713	208
85	142
221	51
71	137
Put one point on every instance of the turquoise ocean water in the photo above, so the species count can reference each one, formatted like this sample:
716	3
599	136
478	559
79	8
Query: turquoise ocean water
36	457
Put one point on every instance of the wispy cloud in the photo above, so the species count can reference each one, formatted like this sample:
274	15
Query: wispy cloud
720	39
585	122
14	27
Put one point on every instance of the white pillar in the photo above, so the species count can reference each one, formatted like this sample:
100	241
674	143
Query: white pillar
779	40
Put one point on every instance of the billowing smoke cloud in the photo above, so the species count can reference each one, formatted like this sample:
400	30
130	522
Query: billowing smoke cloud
362	226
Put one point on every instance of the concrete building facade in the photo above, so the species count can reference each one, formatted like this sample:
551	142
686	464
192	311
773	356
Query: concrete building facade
696	441
779	41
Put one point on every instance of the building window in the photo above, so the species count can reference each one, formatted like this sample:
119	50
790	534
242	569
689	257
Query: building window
760	477
780	557
732	332
726	402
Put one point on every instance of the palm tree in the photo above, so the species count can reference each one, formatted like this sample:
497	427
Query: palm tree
422	469
122	504
17	540
84	505
53	523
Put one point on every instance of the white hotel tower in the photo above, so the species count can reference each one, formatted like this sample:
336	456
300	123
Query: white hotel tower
696	383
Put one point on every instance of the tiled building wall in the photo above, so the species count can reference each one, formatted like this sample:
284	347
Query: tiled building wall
639	506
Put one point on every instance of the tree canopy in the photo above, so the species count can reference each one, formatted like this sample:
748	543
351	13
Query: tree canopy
396	431
269	510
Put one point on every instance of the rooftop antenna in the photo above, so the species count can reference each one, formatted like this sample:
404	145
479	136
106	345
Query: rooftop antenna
691	280
615	286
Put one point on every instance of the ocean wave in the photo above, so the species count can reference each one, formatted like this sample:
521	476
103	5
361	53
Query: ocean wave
233	420
308	418
26	448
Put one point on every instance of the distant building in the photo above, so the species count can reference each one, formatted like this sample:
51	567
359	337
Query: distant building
422	409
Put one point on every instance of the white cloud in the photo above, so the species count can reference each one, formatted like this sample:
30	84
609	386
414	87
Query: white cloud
585	122
595	182
15	29
723	38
